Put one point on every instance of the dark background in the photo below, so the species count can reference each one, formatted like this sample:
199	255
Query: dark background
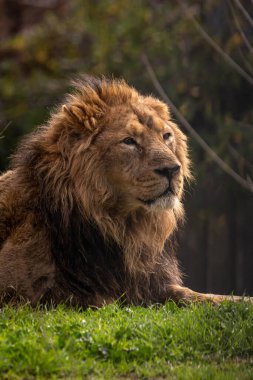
44	43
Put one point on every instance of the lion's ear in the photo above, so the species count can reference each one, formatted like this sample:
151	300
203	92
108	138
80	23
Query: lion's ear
160	107
84	116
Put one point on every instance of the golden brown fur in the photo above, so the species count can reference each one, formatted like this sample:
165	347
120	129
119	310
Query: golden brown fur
88	209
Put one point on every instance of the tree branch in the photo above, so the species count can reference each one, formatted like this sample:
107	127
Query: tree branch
245	13
239	28
4	129
216	47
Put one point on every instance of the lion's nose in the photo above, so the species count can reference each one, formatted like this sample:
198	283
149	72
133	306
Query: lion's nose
168	171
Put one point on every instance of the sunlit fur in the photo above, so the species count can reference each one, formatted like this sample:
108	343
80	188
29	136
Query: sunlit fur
103	174
85	212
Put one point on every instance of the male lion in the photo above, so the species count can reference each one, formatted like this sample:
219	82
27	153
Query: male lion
91	200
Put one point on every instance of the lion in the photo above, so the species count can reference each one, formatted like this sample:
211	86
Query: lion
91	201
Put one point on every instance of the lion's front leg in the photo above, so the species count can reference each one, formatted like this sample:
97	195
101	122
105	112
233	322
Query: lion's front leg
183	295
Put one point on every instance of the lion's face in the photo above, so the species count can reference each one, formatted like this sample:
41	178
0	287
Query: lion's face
128	153
143	156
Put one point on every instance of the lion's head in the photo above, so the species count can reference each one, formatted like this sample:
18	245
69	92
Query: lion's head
126	149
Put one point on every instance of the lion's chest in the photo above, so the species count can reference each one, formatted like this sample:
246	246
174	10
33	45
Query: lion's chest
89	264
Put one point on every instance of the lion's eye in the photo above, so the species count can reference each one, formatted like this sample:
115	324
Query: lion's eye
129	141
167	136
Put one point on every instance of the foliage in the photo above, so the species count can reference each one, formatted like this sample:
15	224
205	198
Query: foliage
113	342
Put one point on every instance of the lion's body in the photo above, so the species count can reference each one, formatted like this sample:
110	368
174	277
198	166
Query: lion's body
40	262
88	209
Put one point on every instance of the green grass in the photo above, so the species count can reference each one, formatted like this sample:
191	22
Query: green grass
197	342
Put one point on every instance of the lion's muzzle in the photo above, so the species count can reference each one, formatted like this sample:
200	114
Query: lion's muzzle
167	196
168	171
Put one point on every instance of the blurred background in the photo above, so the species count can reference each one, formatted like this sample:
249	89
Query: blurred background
202	54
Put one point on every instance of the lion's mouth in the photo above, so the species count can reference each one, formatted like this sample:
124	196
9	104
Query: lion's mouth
149	202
